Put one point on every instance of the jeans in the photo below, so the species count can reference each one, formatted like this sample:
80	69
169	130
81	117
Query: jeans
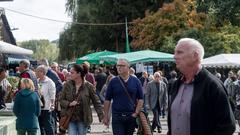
123	124
46	123
27	131
77	128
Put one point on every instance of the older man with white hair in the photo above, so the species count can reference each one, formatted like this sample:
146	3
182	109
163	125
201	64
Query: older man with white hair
48	91
26	72
199	104
157	98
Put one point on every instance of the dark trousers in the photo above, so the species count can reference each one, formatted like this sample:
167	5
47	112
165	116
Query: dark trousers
27	131
55	119
156	121
46	123
162	112
123	124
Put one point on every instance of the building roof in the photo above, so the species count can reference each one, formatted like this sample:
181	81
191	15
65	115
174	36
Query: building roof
6	34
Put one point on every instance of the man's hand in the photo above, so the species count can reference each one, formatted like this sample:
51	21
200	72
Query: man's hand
106	120
134	115
106	111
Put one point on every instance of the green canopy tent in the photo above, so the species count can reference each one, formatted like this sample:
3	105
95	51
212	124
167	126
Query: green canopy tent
94	58
139	56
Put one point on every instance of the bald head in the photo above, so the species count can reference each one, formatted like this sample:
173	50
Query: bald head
193	45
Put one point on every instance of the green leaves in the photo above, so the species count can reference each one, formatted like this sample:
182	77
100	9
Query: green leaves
42	49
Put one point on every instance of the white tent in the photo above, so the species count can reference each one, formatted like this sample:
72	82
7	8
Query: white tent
222	60
12	49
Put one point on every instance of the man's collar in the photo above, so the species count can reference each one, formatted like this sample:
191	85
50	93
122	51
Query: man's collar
183	78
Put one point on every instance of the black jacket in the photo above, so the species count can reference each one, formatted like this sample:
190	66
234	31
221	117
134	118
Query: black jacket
210	109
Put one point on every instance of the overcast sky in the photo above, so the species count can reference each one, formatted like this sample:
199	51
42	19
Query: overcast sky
33	28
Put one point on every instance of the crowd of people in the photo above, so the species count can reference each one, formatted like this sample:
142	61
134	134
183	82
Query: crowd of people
196	101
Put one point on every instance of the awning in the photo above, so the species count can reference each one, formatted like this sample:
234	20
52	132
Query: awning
94	58
139	56
222	60
12	49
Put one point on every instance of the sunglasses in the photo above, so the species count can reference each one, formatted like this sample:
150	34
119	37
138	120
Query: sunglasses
121	66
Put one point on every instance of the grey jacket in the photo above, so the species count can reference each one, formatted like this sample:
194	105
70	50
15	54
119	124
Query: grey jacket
152	94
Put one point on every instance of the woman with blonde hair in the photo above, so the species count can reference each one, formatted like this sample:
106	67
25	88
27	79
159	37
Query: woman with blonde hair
27	108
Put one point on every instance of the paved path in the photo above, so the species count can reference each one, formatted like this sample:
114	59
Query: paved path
98	128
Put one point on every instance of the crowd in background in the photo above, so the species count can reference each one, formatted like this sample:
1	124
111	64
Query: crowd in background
59	90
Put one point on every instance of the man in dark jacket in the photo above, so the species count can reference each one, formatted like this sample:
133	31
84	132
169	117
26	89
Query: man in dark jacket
199	103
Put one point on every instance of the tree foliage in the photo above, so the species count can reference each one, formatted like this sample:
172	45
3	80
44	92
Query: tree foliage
155	24
162	29
165	25
87	39
42	49
224	10
226	40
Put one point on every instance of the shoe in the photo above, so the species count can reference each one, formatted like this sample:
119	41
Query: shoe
89	129
159	130
62	132
153	130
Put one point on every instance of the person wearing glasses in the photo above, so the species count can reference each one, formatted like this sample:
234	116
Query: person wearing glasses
126	93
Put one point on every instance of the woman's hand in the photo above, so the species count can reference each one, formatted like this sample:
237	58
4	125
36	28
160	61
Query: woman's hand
73	103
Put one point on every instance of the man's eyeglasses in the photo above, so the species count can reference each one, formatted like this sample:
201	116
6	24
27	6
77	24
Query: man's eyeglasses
118	66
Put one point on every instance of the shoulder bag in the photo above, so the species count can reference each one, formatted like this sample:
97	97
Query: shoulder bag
65	120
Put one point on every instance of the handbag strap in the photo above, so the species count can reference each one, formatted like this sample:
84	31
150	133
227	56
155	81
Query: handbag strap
78	96
125	90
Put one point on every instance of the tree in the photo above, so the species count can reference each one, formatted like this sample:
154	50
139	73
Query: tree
42	49
94	38
226	40
166	25
224	10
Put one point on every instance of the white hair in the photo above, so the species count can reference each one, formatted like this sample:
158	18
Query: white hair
54	64
132	70
25	62
156	73
121	59
195	45
64	71
218	75
42	68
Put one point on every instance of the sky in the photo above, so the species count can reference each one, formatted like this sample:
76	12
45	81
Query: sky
33	28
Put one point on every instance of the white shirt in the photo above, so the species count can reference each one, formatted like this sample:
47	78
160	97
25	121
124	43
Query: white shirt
5	84
48	91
